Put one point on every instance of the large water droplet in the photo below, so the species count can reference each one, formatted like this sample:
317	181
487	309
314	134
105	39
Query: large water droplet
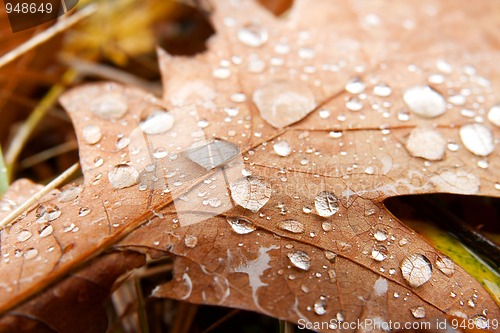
122	143
326	204
123	175
379	253
30	253
300	260
427	143
47	212
293	226
282	103
46	231
157	122
494	114
478	139
445	265
250	192
380	235
382	90
190	241
70	192
416	269
24	235
282	148
109	106
253	35
355	86
213	154
240	225
320	306
425	101
92	134
418	312
354	104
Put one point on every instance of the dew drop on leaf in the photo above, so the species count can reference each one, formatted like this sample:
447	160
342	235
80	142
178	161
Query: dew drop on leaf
326	204
30	253
494	114
354	104
330	256
160	152
92	134
282	148
24	235
240	225
122	176
292	226
427	143
47	212
300	260
109	106
282	103
425	101
46	231
320	307
69	193
250	192
221	73
379	253
380	235
122	143
382	90
478	139
157	122
253	35
83	211
355	86
190	241
418	312
416	269
445	265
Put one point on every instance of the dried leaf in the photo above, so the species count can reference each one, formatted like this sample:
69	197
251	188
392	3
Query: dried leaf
328	126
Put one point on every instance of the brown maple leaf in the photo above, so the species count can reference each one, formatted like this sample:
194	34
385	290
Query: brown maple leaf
265	166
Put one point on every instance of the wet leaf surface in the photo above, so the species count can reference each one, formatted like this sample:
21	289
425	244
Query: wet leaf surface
392	101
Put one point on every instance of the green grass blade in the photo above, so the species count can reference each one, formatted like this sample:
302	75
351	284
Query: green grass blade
4	176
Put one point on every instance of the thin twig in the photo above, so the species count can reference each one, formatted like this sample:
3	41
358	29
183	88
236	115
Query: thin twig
48	154
38	195
47	34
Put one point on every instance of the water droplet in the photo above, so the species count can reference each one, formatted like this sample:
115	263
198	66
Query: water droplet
122	143
458	100
445	265
213	154
444	66
379	253
69	193
256	64
250	192
320	307
190	241
481	322
403	115
282	103
98	161
232	112
84	211
306	53
253	35
326	204
478	139
47	212
427	143
354	104
494	114
282	148
203	123
418	312
160	153
416	269
238	97
24	235
369	170
109	106
326	226
324	113
380	235
293	226
300	260
382	90
92	134
240	225
483	164
46	231
335	135
30	253
122	176
330	256
452	146
355	86
221	73
157	122
425	101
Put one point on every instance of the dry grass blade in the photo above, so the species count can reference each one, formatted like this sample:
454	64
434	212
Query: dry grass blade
47	34
38	195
